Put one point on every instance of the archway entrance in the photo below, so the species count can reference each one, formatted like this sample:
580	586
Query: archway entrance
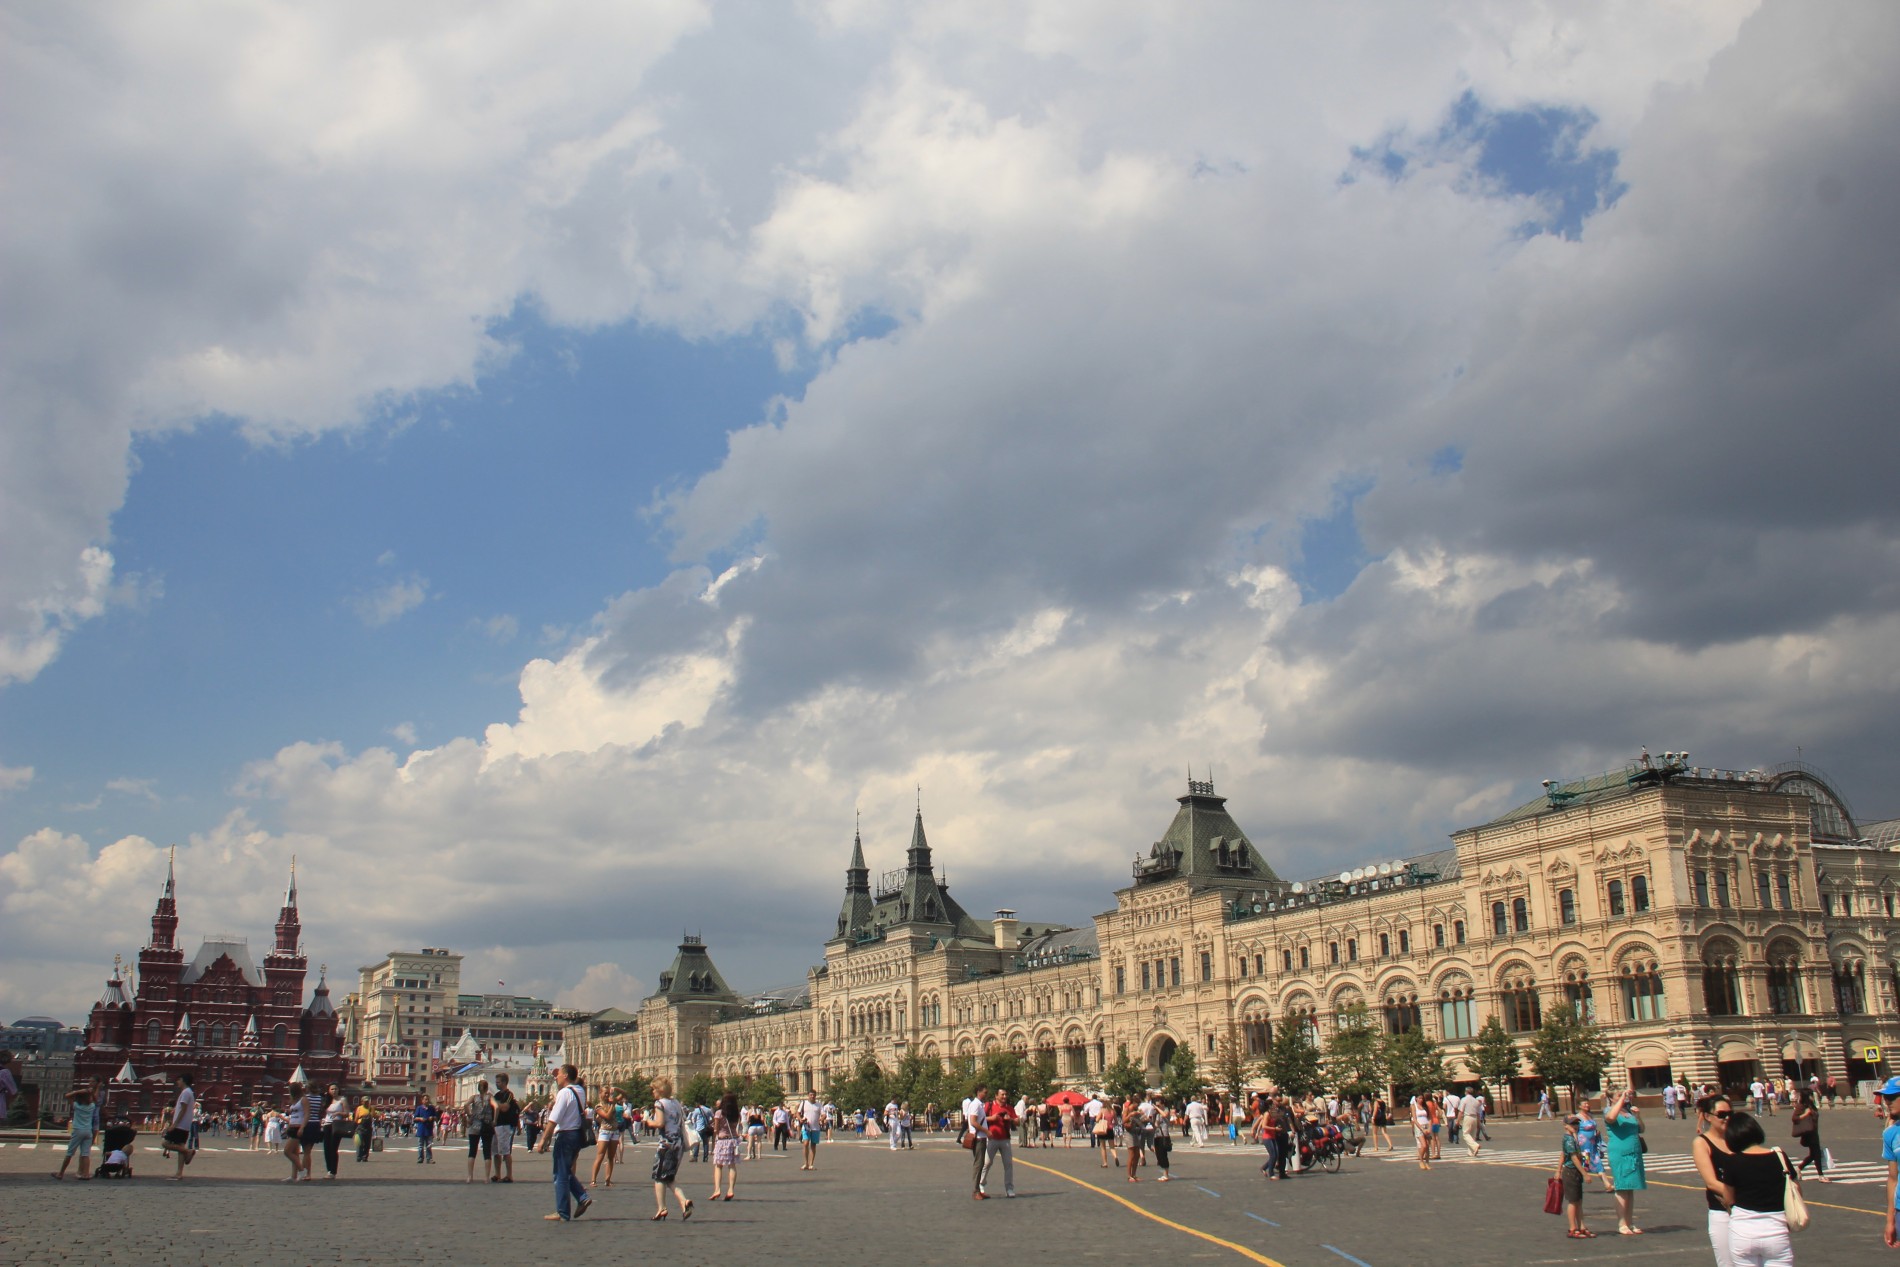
1158	1057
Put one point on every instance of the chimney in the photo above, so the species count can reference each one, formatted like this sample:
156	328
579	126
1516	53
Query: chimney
1006	930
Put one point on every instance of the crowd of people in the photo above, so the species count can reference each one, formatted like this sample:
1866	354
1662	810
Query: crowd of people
1749	1184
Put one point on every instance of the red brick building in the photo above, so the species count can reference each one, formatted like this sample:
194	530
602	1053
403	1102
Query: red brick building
241	1031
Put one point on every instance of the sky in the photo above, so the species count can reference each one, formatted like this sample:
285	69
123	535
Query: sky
555	470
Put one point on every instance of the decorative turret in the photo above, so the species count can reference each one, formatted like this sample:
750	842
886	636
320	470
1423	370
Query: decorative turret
250	1041
289	926
1204	844
692	975
854	917
165	915
921	900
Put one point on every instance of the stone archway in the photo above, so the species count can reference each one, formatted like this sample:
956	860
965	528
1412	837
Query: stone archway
1160	1051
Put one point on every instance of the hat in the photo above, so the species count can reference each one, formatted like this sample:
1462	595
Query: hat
1890	1087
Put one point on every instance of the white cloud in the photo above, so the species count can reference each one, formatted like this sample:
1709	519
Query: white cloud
404	733
390	602
603	985
15	777
144	789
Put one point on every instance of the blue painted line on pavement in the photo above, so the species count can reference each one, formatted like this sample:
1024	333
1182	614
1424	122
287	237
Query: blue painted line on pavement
1256	1218
1209	1191
1348	1257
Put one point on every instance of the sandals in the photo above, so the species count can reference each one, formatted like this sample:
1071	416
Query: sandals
658	1217
687	1212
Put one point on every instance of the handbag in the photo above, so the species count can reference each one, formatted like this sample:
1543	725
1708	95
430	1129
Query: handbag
1554	1196
590	1133
1793	1205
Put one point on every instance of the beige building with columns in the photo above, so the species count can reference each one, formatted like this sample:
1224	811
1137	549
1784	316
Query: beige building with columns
1717	924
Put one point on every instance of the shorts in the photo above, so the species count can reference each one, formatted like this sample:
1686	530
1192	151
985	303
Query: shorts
1573	1185
310	1134
80	1144
504	1141
810	1134
177	1138
483	1139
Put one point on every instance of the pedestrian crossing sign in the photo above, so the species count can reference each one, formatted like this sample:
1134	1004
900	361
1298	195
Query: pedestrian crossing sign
1870	1054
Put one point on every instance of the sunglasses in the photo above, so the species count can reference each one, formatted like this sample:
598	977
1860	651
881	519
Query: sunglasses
1723	1113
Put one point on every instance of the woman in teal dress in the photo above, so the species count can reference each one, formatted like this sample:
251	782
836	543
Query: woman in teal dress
1623	1141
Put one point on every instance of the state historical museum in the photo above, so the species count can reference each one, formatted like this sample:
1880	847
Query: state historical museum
241	1032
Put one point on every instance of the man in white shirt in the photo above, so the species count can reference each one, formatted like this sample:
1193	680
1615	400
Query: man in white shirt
1197	1121
178	1135
812	1114
891	1127
1470	1111
566	1116
781	1129
975	1129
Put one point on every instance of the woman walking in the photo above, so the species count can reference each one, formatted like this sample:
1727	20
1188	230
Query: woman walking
1710	1149
1807	1133
1623	1145
1163	1139
303	1127
1756	1190
1422	1124
1572	1167
1105	1134
725	1149
1381	1119
666	1117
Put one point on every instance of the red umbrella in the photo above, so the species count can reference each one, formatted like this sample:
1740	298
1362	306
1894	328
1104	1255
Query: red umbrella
1067	1099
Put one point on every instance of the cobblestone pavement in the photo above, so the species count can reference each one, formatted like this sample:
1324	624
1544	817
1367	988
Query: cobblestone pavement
866	1204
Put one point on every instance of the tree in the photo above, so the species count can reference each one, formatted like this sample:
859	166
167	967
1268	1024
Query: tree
1494	1057
764	1089
638	1088
1293	1061
1355	1061
1181	1077
1124	1078
1039	1078
1004	1072
703	1089
1231	1069
1568	1051
864	1089
1414	1063
917	1081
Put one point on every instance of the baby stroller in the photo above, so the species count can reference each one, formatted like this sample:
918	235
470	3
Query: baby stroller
117	1141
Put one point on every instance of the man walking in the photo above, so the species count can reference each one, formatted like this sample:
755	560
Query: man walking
565	1118
976	1130
781	1129
1197	1121
1471	1114
424	1120
812	1114
178	1136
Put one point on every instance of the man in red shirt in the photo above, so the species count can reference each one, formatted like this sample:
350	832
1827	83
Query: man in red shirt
1000	1121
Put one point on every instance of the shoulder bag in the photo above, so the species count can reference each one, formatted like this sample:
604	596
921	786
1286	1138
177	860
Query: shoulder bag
1793	1205
590	1133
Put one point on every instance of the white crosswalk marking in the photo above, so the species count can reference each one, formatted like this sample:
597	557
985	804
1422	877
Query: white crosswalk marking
1673	1165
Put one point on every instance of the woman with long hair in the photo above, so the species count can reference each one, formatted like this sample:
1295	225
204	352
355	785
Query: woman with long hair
1381	1118
1807	1133
725	1149
610	1122
1710	1150
1105	1133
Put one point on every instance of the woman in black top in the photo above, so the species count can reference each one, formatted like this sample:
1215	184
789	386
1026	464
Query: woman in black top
1807	1133
1755	1186
1710	1149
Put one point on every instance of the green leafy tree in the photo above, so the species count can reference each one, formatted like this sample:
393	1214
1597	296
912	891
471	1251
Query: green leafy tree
1293	1061
1039	1077
703	1089
1123	1077
917	1081
864	1089
1355	1061
1494	1057
1181	1077
1005	1072
764	1090
960	1079
1230	1069
1569	1051
1414	1063
638	1088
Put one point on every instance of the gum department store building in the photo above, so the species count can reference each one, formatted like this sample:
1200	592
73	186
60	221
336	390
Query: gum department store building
1717	924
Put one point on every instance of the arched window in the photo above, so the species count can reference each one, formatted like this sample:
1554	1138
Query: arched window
217	1035
1306	957
1405	942
1518	1001
1500	921
1721	986
1784	980
1385	945
280	1037
1521	915
199	1033
1616	899
1454	1012
1642	991
1256	1033
1401	1012
1639	893
1332	951
153	1035
1566	907
1352	950
1850	989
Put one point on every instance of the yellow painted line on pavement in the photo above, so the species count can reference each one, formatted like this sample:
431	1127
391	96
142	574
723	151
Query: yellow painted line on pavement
1242	1250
